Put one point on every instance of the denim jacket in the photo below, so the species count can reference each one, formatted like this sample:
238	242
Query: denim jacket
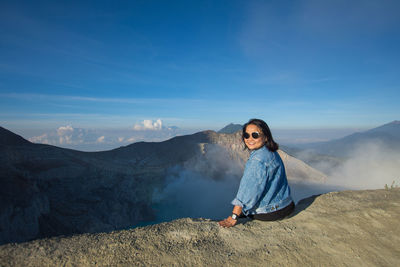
264	187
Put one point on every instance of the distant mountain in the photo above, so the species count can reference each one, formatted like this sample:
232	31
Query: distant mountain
392	128
231	128
48	191
387	135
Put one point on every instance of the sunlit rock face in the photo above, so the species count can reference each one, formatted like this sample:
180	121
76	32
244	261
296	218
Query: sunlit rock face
49	191
233	147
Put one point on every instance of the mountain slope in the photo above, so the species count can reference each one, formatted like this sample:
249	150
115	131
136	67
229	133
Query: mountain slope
8	138
48	191
231	128
392	128
387	136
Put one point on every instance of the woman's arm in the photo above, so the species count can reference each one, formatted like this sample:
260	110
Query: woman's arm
251	188
252	185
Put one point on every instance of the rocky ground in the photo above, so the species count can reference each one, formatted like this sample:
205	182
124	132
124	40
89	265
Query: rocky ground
349	228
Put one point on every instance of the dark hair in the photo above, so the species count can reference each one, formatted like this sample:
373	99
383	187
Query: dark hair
270	143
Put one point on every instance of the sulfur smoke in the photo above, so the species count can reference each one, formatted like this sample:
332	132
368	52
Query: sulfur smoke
196	191
371	165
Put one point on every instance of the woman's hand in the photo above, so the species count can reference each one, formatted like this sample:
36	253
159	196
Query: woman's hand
228	222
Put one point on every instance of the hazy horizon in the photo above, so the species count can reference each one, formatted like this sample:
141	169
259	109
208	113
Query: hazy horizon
98	139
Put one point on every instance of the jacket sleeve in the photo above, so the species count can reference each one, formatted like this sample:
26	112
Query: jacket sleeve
252	185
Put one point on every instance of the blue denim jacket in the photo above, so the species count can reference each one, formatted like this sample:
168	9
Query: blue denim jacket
264	187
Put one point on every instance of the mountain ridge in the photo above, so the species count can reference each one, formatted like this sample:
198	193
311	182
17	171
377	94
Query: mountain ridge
387	135
9	138
63	191
231	128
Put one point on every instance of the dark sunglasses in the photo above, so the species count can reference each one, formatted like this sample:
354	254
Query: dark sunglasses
255	135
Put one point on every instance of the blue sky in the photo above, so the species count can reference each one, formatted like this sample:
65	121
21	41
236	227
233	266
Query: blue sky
199	64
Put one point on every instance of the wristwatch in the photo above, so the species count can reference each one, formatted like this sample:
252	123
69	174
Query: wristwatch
234	216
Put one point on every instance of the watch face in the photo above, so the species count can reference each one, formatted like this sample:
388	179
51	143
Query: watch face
234	216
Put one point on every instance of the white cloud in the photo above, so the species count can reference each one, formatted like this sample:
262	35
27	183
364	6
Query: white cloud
65	134
100	139
148	125
65	139
105	139
43	139
130	140
63	130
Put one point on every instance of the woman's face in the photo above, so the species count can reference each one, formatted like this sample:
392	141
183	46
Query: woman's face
251	142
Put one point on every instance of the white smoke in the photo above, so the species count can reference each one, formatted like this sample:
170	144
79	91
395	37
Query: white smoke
203	187
371	165
192	191
191	194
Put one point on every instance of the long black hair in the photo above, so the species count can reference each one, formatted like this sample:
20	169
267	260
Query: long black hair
270	143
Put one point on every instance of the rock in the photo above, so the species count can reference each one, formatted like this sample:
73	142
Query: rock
349	228
297	170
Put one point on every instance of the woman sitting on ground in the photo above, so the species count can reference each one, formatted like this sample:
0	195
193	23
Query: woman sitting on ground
264	193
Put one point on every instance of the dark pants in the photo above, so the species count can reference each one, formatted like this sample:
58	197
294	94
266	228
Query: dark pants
273	216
